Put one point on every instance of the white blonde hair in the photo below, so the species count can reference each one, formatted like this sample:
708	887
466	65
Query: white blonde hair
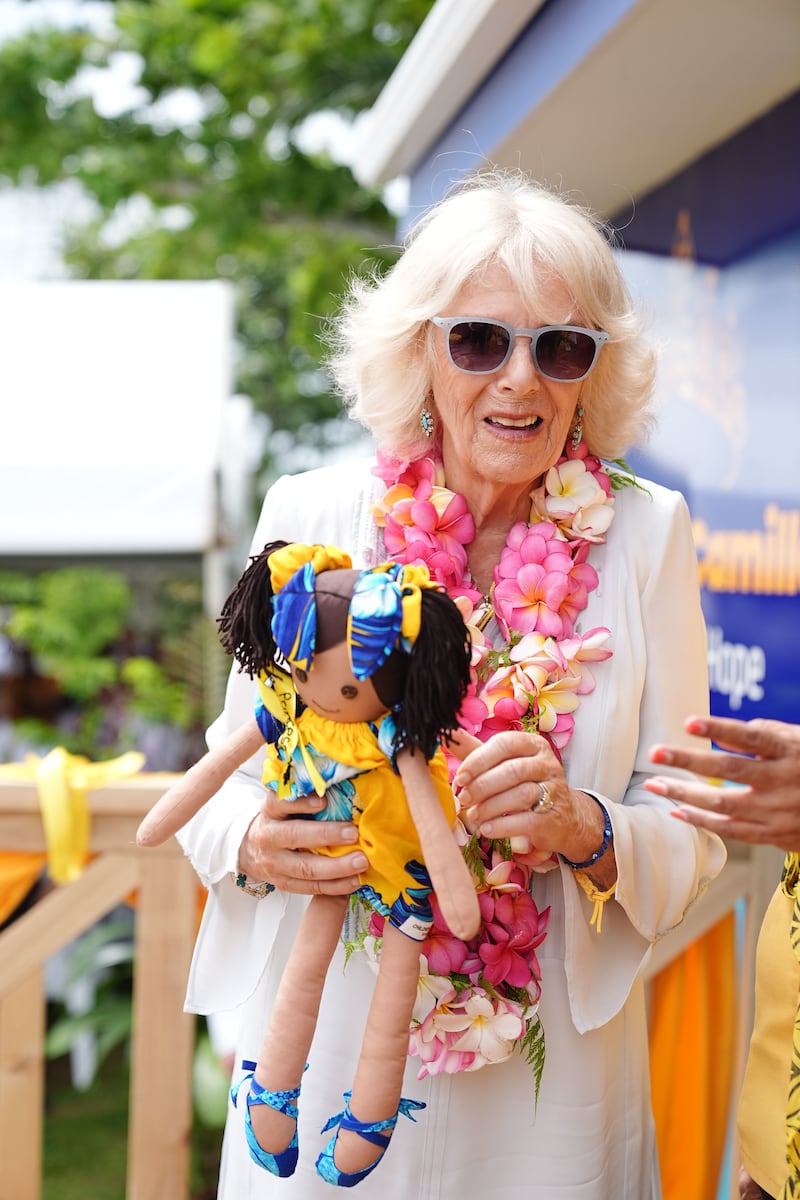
381	344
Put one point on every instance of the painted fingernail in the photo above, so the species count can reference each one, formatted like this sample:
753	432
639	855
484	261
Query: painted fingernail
661	755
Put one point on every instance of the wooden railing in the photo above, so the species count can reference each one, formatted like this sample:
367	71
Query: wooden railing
160	1109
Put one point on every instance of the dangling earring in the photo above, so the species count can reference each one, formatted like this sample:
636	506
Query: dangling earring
577	429
426	418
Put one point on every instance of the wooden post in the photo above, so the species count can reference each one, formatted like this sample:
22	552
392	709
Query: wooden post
160	1109
22	1022
159	1130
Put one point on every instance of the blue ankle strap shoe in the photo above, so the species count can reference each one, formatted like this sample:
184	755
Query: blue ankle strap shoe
377	1132
283	1163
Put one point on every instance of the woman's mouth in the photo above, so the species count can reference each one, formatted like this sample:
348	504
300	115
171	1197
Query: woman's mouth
526	423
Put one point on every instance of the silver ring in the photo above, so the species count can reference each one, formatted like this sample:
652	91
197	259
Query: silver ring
544	803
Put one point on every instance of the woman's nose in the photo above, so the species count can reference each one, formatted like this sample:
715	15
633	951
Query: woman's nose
519	371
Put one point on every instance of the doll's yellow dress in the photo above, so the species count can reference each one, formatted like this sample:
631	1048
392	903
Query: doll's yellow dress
362	785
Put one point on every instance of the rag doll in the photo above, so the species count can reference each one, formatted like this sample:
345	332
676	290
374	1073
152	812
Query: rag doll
360	675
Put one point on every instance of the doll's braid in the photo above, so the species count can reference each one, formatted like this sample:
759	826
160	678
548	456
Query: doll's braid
438	675
245	620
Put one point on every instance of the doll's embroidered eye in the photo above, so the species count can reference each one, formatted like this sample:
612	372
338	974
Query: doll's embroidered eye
349	692
300	675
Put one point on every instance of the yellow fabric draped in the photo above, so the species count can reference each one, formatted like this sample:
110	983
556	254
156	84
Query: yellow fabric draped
62	780
692	1039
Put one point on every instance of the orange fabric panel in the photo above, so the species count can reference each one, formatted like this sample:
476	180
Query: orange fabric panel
692	1050
19	871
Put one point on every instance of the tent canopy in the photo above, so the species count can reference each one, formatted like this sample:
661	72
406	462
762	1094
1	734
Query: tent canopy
114	410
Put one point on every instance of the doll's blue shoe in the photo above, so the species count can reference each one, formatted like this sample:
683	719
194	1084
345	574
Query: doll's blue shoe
377	1132
283	1163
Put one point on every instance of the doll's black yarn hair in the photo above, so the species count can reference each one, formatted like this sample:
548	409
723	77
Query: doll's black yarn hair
425	688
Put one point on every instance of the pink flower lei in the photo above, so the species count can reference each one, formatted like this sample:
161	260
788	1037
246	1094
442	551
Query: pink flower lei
478	1001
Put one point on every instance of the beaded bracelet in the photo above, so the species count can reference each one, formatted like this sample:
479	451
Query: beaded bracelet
608	833
260	890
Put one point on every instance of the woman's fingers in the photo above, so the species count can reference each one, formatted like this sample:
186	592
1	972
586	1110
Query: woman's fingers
513	786
502	748
306	835
283	853
282	810
761	758
708	796
761	737
756	816
309	874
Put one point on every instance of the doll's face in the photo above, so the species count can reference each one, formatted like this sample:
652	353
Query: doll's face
332	690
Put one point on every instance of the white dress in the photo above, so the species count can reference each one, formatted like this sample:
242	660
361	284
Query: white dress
591	1136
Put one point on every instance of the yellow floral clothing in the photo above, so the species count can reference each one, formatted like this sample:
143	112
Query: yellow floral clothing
765	1090
355	761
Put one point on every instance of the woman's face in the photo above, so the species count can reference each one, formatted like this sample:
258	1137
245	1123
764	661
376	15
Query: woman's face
508	427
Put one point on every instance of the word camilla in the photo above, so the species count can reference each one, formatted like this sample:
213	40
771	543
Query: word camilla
765	562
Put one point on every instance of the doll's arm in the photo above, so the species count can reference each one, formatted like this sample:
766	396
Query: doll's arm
450	875
198	785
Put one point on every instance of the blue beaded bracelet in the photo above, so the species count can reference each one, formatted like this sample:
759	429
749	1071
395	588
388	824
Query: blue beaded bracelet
608	833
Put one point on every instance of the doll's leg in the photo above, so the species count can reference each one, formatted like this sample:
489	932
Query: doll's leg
293	1020
379	1075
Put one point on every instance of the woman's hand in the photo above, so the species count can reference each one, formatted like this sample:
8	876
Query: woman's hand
513	786
765	807
278	847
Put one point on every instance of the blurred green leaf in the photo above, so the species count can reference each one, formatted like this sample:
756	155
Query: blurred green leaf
110	1020
210	1084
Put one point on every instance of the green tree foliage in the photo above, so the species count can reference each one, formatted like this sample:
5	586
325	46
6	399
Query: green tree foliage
231	191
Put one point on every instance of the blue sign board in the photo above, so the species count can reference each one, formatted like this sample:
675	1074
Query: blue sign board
729	439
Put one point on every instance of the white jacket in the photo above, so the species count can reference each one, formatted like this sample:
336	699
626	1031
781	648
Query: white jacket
590	1135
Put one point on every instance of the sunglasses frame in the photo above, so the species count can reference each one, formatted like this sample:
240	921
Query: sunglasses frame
598	336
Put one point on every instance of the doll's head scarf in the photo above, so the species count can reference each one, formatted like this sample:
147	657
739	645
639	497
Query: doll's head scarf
324	601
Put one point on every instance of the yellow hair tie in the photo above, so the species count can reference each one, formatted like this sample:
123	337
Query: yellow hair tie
287	561
411	579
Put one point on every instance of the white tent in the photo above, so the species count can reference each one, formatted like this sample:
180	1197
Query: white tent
118	432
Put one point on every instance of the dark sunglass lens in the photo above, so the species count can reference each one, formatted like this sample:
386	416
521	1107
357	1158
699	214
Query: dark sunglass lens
564	354
478	345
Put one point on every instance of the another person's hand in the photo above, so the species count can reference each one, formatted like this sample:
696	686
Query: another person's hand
278	847
765	807
504	782
748	1188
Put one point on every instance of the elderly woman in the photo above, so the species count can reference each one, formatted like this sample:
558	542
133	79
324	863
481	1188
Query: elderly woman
496	364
